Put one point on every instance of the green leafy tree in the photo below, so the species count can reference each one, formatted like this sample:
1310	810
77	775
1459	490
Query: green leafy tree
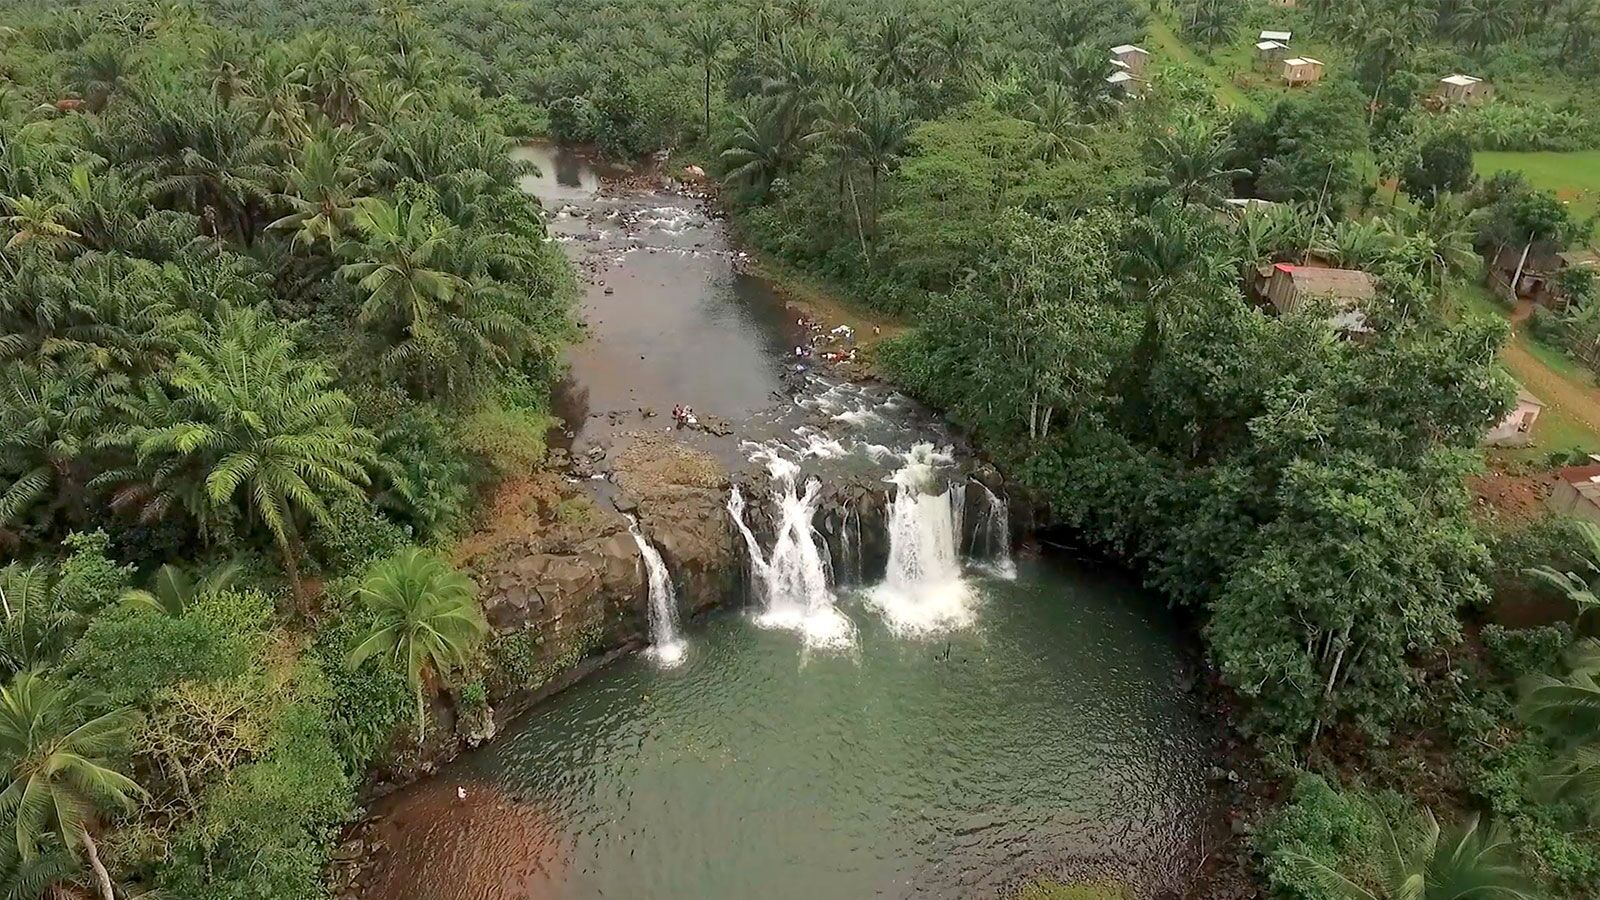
426	620
1442	165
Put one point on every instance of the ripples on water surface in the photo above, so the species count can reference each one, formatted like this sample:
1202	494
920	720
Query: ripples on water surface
1053	735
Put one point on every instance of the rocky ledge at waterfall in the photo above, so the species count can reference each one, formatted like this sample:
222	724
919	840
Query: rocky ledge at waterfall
564	587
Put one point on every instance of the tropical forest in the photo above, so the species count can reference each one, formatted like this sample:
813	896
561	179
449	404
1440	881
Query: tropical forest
964	450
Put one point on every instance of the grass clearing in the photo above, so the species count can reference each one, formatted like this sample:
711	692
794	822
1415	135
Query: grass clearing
1575	177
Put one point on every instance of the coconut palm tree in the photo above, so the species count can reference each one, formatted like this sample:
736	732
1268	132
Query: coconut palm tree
1061	134
324	187
885	127
705	39
245	424
55	757
277	97
426	620
174	589
1421	861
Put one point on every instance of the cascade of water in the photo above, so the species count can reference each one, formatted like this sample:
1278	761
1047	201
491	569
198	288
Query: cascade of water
665	643
850	543
793	579
991	539
922	588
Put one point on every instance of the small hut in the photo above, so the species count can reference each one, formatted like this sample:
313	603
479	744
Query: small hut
1135	58
1299	70
1464	90
1287	287
1282	37
1123	81
1516	429
1270	53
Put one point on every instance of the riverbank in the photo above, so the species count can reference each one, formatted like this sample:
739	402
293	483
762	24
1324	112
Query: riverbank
836	568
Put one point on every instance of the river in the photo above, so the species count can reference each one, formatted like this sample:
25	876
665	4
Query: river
937	721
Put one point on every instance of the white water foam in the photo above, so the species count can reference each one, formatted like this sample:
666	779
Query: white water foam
793	581
666	645
991	539
923	591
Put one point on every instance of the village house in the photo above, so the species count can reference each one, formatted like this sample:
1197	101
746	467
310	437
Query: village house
1577	492
1516	429
1270	53
1542	272
1124	81
1299	70
1287	287
1464	90
1135	59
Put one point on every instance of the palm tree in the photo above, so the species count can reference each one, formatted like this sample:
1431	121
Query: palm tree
38	625
1193	158
244	423
885	127
1421	861
277	97
705	39
324	188
1061	135
174	589
49	420
395	261
208	160
54	754
100	68
338	74
1484	22
36	223
760	149
1579	23
1567	706
426	619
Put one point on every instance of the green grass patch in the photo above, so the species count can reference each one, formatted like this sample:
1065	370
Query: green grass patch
1169	48
1574	177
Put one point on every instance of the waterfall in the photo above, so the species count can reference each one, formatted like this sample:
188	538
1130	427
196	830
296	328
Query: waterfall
793	581
922	588
850	544
991	539
665	643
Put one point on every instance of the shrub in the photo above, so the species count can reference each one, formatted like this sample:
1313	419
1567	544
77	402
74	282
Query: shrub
1332	826
1518	652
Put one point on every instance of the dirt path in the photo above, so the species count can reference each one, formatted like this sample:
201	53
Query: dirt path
1576	400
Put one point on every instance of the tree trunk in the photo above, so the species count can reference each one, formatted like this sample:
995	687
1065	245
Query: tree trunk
1516	280
860	228
708	105
102	878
